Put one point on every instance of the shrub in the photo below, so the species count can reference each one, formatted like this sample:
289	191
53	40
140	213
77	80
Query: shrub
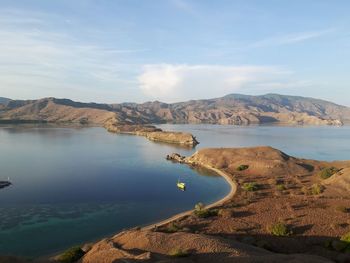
225	213
346	238
305	190
178	252
200	211
280	229
316	189
342	209
328	172
339	245
204	213
173	227
280	187
71	255
242	167
250	187
199	206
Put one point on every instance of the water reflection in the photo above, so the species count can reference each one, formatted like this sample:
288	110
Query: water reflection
80	184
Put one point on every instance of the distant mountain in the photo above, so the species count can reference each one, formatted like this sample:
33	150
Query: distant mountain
231	109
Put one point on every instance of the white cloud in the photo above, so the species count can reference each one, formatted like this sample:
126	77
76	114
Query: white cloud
38	60
168	82
290	38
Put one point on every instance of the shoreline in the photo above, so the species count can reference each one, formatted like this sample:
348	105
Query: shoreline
232	192
221	201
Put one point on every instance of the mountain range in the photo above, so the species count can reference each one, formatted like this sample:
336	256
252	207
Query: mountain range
234	109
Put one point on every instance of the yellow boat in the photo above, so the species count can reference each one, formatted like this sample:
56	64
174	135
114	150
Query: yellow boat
181	185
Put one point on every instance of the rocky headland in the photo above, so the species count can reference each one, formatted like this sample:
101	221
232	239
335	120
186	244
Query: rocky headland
152	133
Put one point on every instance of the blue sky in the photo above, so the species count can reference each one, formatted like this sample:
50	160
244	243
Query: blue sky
173	50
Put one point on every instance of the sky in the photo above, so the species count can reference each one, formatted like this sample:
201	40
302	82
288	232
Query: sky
174	50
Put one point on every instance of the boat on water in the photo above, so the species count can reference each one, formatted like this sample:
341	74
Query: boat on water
181	185
5	183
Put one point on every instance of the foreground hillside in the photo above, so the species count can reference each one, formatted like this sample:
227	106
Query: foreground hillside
285	209
231	109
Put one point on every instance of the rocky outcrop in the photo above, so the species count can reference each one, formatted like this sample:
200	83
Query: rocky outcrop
175	157
152	133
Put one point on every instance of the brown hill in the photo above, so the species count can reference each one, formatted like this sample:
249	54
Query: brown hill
148	246
52	110
240	229
231	109
338	184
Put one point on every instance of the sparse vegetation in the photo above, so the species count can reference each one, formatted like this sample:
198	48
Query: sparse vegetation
71	255
342	209
342	245
178	253
280	229
346	238
280	187
250	187
305	190
242	167
316	189
199	206
202	212
173	227
328	172
226	213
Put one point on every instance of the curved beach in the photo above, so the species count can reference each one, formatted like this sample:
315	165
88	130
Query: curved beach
232	192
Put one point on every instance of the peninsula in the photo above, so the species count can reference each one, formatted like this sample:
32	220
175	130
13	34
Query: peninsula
152	133
281	208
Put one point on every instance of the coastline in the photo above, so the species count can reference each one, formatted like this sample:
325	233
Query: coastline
163	222
221	201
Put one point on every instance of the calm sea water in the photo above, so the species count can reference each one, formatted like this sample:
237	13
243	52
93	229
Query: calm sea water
73	185
77	185
313	142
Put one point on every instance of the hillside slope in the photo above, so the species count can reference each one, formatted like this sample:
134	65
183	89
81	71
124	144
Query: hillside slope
231	109
240	229
244	109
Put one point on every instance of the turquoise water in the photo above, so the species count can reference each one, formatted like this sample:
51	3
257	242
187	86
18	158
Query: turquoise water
72	185
77	185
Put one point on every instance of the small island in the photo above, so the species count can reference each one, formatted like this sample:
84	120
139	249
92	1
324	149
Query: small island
152	133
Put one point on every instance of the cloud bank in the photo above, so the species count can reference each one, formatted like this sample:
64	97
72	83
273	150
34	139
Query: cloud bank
169	82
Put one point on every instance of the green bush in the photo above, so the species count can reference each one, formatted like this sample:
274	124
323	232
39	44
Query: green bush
71	255
346	238
199	206
200	211
328	172
173	227
178	253
250	187
242	167
339	246
204	213
280	187
280	229
316	189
